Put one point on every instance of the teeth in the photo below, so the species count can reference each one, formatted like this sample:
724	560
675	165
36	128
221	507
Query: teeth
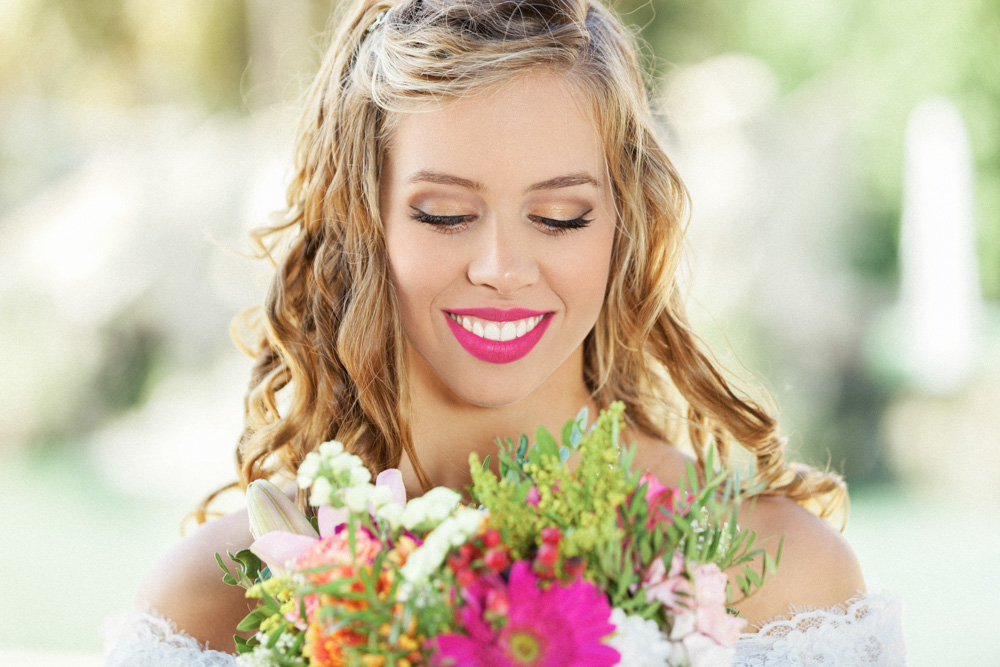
498	331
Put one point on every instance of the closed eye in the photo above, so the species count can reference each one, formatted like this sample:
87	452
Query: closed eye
559	226
439	220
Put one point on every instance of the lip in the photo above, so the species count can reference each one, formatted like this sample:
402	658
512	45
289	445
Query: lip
495	351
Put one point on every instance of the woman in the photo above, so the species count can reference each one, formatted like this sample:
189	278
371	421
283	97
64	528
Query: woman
485	232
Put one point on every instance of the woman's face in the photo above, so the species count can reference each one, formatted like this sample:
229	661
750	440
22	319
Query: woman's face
499	223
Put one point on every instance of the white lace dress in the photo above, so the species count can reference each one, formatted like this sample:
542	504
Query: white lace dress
868	631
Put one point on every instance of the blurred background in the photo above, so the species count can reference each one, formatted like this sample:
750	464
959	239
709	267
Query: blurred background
844	163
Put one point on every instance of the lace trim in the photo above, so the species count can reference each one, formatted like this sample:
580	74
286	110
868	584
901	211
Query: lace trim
866	630
795	611
147	639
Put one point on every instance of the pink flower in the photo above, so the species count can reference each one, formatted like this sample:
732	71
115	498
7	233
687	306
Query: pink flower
700	650
661	500
671	588
558	626
712	619
699	601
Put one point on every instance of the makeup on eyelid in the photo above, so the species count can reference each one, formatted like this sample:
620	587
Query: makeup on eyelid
557	218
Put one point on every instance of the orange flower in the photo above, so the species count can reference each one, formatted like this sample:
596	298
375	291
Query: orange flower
334	554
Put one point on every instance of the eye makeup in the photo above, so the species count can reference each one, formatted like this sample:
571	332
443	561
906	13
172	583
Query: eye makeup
454	222
439	220
559	225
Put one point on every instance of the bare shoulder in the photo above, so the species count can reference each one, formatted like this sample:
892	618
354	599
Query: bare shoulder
185	585
818	568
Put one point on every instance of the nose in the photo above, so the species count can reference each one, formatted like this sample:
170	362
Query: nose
503	259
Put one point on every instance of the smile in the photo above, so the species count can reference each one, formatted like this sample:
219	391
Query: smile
498	331
497	336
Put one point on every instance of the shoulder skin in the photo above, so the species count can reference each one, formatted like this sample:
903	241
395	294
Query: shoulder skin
185	585
818	569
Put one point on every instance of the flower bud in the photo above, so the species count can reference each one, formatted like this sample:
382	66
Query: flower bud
269	509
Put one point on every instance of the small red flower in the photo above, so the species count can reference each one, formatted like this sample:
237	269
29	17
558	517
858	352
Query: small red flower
551	535
497	559
492	538
548	555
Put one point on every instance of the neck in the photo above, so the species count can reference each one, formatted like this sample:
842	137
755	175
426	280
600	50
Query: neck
446	429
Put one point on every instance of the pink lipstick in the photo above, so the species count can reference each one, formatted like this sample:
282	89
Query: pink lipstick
496	335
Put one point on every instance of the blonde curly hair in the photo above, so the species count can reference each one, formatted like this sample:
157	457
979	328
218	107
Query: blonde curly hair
328	334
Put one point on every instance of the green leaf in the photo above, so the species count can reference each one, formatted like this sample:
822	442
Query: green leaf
244	645
522	448
252	620
567	433
579	427
770	565
227	578
486	463
545	443
218	559
249	564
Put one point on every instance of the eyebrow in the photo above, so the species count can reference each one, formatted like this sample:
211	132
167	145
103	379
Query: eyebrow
441	178
579	178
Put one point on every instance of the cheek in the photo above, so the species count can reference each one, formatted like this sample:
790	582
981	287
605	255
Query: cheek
419	272
583	276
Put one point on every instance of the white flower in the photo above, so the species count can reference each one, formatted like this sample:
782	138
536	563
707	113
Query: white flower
703	651
261	656
699	650
683	625
382	495
331	448
345	463
430	509
358	497
360	474
322	491
308	469
451	532
639	641
391	513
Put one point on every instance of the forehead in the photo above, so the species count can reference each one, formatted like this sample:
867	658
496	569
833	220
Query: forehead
535	127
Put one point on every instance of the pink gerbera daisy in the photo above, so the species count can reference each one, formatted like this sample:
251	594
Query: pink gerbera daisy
557	626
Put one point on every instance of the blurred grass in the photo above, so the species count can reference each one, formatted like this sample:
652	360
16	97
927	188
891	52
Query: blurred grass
939	553
78	549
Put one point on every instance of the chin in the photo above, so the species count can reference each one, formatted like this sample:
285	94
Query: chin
489	396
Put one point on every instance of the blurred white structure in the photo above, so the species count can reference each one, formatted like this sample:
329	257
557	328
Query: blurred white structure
941	306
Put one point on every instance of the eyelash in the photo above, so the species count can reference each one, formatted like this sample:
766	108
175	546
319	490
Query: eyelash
451	223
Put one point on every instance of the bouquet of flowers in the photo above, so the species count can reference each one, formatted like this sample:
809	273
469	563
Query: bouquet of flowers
567	558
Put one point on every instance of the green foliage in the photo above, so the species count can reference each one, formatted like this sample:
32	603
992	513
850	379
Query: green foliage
600	506
268	617
581	501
